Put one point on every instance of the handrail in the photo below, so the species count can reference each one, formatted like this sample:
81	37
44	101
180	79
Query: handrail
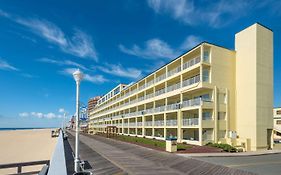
57	163
21	164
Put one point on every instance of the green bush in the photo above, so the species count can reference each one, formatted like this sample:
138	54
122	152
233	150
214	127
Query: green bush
224	147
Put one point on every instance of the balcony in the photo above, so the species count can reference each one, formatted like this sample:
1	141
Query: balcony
142	87
148	123
159	123
191	102
191	62
191	81
174	71
173	87
159	92
160	78
139	123
173	106
149	83
149	96
190	121
172	122
132	124
159	109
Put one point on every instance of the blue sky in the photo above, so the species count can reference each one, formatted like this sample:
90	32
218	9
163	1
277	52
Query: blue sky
41	43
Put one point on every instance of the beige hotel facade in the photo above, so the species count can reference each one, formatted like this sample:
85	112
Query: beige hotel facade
208	94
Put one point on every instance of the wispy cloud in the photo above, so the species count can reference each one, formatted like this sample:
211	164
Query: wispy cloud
91	78
213	13
157	48
154	48
4	65
49	115
79	44
119	70
62	63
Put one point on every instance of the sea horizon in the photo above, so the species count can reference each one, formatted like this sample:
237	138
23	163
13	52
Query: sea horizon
25	128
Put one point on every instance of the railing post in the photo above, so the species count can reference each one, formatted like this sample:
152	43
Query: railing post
19	169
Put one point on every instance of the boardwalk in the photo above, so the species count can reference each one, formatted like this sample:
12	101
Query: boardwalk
138	160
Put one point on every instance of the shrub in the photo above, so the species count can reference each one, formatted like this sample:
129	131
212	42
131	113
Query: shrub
224	147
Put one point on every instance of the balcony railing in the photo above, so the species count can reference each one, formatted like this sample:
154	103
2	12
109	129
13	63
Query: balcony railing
159	123
191	62
149	83
173	106
148	123
174	71
191	81
159	92
139	123
159	109
189	121
171	122
149	96
161	77
173	87
191	102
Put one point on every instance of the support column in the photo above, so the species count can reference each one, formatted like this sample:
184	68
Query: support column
136	127
122	120
200	126
165	131
143	129
152	125
216	114
179	131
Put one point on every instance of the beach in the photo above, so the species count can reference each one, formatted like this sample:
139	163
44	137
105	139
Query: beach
24	146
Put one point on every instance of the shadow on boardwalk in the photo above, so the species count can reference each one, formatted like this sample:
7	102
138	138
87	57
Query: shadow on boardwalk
135	159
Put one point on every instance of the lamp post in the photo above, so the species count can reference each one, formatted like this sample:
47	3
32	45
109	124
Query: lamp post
78	76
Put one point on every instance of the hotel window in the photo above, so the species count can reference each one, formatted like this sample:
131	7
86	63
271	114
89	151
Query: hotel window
207	115
278	122
206	97
206	56
278	112
205	75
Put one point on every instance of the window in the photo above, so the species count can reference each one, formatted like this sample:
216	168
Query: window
206	97
206	56
221	115
205	75
278	112
206	116
278	122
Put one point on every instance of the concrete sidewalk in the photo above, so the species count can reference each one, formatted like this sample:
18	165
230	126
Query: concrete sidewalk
135	159
225	154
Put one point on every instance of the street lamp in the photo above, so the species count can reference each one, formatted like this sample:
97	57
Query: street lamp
78	76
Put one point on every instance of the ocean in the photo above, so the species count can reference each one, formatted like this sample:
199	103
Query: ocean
8	129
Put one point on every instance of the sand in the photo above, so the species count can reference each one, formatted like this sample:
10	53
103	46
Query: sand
25	146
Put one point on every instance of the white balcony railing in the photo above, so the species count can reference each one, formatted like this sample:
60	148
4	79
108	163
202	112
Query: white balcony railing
171	122
159	123
191	81
148	123
189	121
191	102
173	106
174	71
191	62
159	92
173	87
161	77
159	109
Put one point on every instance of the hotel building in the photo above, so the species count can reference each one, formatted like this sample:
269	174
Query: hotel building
277	123
208	94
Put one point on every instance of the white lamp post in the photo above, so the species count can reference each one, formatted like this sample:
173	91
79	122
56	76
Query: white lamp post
78	76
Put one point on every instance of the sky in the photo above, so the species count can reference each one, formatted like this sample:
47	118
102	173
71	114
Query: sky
111	42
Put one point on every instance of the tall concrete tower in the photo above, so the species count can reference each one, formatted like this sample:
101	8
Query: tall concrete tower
254	85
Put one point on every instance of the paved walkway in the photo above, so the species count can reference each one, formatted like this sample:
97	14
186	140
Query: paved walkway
225	154
135	159
94	161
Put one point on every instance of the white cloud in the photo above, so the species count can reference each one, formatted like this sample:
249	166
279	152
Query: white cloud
6	66
190	42
156	48
79	44
64	62
24	114
49	115
153	49
213	13
61	110
119	70
91	78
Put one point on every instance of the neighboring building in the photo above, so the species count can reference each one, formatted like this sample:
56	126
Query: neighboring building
209	94
277	123
92	103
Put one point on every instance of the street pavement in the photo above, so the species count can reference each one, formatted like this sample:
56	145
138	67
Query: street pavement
269	164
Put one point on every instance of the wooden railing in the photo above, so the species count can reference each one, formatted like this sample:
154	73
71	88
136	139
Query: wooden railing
22	164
